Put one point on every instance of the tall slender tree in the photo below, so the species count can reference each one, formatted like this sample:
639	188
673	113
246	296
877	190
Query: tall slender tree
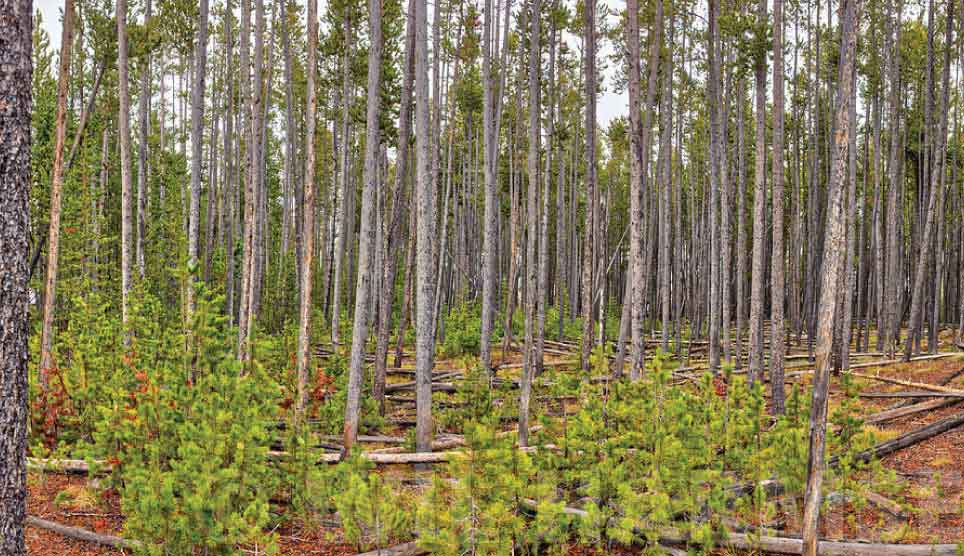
425	257
833	259
366	242
56	189
532	221
308	214
777	281
16	49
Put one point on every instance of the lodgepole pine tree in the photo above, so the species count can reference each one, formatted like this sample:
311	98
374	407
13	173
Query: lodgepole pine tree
425	241
56	187
16	49
308	214
366	243
833	258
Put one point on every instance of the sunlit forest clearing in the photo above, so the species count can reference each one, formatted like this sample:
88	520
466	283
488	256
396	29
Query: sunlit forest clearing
481	277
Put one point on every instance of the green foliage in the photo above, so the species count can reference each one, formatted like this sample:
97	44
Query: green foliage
462	331
372	513
189	442
481	512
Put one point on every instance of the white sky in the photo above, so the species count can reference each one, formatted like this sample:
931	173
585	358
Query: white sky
610	104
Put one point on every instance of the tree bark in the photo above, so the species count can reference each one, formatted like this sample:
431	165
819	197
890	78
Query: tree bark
759	217
124	133
833	260
777	281
425	242
197	140
366	244
16	57
308	251
56	187
935	198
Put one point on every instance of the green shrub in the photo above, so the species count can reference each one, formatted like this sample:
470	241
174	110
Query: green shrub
189	442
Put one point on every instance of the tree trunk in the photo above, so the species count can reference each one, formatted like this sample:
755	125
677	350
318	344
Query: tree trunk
16	48
777	281
759	218
143	124
532	220
592	198
935	198
833	260
53	242
123	131
394	236
308	251
425	242
197	139
366	245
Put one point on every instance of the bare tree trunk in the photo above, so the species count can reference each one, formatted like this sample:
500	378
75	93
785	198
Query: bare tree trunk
589	253
16	50
394	235
56	187
144	128
230	165
833	260
716	147
308	251
891	300
532	221
197	139
935	198
777	281
366	244
341	193
249	166
124	109
759	218
425	202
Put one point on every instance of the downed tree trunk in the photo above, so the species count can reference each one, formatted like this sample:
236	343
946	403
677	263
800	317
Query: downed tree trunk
921	385
905	440
909	395
404	549
81	534
69	466
890	414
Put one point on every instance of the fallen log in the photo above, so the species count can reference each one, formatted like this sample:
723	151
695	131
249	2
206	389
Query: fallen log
943	382
911	384
404	549
68	466
906	394
81	534
891	414
886	504
911	438
787	545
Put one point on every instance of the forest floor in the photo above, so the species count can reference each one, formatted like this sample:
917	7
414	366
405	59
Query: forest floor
924	503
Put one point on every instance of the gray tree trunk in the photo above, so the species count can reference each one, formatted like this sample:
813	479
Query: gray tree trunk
834	252
777	281
16	49
366	244
425	242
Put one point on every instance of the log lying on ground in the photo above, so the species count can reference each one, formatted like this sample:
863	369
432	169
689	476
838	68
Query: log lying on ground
81	534
774	487
786	545
909	439
881	363
69	466
404	549
911	384
943	382
382	458
891	414
905	394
